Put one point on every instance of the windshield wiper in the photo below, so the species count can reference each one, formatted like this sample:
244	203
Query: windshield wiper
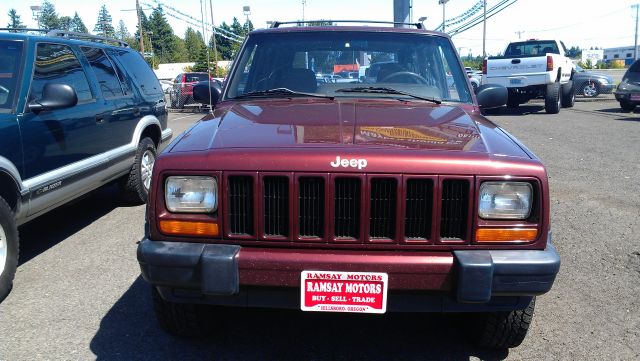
282	92
385	90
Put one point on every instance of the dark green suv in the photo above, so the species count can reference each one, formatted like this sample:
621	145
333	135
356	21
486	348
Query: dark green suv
76	112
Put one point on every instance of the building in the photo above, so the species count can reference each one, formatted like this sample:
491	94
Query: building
625	53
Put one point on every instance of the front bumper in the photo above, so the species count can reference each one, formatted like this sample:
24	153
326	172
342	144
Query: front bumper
445	281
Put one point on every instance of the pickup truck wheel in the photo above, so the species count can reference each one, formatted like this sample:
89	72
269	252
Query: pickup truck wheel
513	101
181	319
9	249
627	106
500	330
135	187
568	94
552	99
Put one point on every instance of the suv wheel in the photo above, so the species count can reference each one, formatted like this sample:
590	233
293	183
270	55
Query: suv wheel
568	94
627	106
136	185
552	99
9	249
181	319
500	330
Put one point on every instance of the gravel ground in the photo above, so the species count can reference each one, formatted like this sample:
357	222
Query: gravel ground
78	294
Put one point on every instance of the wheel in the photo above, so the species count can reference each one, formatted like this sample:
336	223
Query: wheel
492	111
590	89
172	98
552	99
136	185
568	94
416	78
627	106
181	319
9	248
513	101
500	330
475	87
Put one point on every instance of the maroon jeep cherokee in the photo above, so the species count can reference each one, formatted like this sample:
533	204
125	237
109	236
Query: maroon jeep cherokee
390	193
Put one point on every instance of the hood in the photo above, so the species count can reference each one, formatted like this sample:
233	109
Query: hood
347	123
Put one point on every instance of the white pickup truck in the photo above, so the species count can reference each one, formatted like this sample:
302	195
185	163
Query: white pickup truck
533	69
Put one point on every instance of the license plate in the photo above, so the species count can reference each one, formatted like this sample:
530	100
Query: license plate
634	97
515	81
328	291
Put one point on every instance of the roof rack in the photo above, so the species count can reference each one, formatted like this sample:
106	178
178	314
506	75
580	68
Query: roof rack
85	36
277	24
21	30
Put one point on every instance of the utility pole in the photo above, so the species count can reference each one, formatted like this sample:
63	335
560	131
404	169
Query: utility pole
484	30
304	2
519	34
635	44
215	46
140	27
443	2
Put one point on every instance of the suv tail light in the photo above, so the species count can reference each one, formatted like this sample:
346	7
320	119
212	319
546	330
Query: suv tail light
184	80
549	63
484	66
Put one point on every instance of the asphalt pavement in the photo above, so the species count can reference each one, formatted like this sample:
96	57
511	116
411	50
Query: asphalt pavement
78	293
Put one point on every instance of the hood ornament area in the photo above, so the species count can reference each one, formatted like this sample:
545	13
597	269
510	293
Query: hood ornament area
346	163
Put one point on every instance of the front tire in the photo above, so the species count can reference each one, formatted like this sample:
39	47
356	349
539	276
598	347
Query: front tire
568	94
501	330
181	319
9	249
552	101
136	186
627	106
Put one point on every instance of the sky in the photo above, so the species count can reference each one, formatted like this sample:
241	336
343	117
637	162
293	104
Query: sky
586	24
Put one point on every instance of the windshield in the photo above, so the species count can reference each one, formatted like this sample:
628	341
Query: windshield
541	47
328	62
10	61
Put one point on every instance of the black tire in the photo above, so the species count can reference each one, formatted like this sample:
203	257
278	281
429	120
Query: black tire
552	101
172	99
475	87
501	330
9	249
590	89
181	319
492	111
513	101
136	185
627	106
568	94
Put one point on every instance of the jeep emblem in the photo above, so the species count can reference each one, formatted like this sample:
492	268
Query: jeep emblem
353	163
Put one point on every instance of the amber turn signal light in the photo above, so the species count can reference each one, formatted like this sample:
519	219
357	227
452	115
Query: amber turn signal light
189	228
506	235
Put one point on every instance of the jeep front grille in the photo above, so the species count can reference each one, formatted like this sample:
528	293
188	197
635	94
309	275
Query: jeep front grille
362	208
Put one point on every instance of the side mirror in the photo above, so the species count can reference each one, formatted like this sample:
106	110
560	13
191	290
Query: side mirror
207	92
491	96
54	96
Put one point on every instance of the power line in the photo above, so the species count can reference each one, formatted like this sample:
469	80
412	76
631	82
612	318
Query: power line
490	14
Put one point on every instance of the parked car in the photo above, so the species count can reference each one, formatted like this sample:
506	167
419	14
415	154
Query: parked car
534	69
338	197
182	92
166	85
74	115
590	85
628	91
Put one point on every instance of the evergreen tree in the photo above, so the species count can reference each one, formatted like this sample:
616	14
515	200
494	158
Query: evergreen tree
14	21
162	36
104	25
64	23
48	16
201	62
179	53
224	45
122	32
145	28
193	43
77	24
239	30
247	27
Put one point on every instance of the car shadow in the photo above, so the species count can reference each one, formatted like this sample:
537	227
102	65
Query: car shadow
130	331
65	221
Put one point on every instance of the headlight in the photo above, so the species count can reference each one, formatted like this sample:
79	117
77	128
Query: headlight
191	194
505	200
604	81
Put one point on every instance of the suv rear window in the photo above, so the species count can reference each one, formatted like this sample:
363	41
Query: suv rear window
10	65
104	71
139	70
532	48
196	77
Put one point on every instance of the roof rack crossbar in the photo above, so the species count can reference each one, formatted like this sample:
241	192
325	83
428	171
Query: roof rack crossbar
79	36
277	24
18	30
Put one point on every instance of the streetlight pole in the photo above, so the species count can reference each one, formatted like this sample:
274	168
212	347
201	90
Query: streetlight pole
140	27
635	44
484	29
443	2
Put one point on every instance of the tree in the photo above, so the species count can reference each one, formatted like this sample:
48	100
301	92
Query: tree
122	32
48	16
77	24
64	23
224	44
201	62
162	36
179	52
104	25
574	52
14	21
193	43
247	27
